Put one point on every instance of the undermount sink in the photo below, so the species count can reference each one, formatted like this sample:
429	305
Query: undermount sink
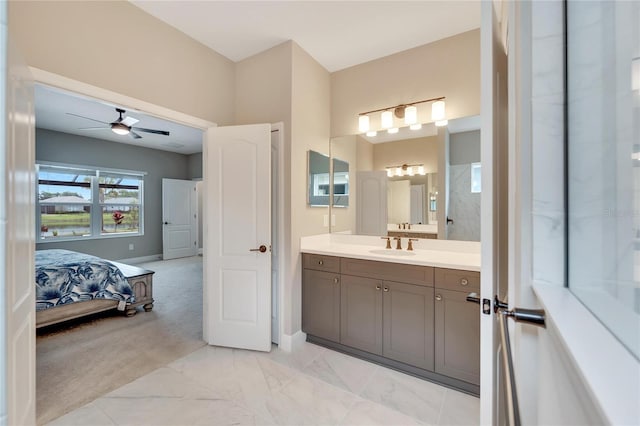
392	252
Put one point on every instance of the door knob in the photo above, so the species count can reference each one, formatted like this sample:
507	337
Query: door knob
438	297
261	249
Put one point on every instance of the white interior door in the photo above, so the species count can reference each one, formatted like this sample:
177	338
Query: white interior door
417	204
494	218
238	236
17	236
179	218
371	203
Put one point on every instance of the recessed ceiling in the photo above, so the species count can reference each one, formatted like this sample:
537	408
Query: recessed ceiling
53	108
338	34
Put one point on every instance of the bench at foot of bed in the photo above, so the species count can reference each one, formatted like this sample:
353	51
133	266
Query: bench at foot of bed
141	281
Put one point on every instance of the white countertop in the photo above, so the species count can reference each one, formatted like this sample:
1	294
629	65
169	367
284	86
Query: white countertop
463	255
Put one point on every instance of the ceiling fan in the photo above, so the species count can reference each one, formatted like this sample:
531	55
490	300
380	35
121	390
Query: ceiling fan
122	126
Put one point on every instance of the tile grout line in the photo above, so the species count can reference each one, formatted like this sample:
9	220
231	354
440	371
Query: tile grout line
444	397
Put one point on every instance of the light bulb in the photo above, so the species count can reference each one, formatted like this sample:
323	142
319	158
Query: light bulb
392	130
386	119
372	133
410	171
363	123
398	171
416	126
437	111
410	115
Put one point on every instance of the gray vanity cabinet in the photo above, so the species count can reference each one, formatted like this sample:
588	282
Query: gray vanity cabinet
361	313
321	304
457	325
408	324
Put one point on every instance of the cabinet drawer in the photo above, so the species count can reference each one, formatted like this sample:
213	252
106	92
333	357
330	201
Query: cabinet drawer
454	279
321	263
412	274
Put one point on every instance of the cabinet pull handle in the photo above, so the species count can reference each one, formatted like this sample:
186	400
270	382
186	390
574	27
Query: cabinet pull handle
386	289
377	287
321	262
336	280
464	281
438	297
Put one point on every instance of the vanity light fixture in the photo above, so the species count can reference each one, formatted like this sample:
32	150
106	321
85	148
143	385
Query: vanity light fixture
363	123
405	170
386	119
408	112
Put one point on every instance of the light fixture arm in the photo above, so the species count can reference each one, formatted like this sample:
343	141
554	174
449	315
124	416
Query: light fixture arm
441	98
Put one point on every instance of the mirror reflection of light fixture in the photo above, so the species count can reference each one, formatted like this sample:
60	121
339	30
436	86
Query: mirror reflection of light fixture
119	129
408	112
405	170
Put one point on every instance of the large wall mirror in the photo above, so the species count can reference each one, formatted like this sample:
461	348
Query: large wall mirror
423	184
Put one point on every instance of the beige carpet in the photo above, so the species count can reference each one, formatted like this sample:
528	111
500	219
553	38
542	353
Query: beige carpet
82	360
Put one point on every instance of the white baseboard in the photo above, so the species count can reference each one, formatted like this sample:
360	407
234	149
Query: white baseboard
288	341
143	259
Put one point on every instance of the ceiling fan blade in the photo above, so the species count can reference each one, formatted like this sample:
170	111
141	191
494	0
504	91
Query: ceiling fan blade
93	128
157	132
129	121
134	135
87	118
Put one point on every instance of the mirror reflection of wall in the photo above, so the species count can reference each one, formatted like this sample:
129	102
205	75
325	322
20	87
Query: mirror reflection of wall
464	186
340	183
318	185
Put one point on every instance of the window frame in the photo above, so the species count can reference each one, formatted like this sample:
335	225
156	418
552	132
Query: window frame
95	215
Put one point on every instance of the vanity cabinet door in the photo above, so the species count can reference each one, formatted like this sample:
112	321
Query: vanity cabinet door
457	336
361	313
321	304
408	324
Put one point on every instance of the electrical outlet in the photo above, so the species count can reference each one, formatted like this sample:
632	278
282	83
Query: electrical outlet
130	246
325	220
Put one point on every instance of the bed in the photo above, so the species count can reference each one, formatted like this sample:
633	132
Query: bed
71	285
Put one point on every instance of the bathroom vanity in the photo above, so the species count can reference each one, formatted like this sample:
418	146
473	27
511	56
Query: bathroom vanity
403	309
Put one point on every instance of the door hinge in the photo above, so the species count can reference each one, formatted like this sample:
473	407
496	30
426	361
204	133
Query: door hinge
486	306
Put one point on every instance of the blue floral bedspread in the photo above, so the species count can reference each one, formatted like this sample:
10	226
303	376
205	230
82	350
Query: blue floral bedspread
64	276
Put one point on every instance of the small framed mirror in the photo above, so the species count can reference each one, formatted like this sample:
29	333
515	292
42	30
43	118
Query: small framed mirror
319	179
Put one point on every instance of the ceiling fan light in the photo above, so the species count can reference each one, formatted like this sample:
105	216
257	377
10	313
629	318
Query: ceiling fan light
119	129
437	111
386	119
363	123
410	115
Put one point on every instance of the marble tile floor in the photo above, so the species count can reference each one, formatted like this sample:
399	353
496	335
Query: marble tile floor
311	385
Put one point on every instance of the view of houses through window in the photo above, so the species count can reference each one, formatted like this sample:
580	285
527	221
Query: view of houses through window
78	203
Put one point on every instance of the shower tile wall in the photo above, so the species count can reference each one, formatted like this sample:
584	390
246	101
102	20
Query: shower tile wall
464	206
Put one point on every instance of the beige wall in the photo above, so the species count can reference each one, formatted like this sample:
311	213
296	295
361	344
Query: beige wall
408	151
286	84
449	67
116	46
310	130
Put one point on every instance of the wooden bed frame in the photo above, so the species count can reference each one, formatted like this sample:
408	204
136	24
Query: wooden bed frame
141	281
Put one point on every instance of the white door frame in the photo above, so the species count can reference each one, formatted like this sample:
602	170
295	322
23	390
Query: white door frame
65	83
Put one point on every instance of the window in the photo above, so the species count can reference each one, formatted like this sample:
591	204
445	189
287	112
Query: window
476	177
603	170
83	203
